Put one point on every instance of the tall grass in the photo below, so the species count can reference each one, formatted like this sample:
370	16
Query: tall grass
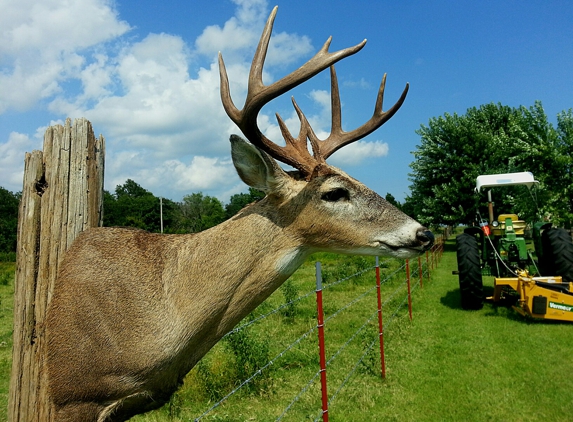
446	364
6	312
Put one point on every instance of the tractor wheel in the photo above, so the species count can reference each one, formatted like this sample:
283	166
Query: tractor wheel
469	270
558	252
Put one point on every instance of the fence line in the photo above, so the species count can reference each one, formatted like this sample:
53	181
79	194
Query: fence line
424	271
380	320
321	348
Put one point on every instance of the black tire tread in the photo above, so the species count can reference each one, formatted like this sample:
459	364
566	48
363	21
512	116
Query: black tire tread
469	270
558	252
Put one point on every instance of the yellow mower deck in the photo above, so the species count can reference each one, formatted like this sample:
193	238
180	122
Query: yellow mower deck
540	297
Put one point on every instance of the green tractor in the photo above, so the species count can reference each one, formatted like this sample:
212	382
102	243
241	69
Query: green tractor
498	247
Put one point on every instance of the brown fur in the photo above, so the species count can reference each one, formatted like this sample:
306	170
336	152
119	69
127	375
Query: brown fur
133	312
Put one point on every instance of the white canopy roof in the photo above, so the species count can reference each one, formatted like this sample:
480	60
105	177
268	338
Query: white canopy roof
505	179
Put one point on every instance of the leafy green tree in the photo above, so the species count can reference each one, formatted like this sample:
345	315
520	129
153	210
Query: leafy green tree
241	200
9	203
490	139
561	207
131	189
134	206
390	198
199	212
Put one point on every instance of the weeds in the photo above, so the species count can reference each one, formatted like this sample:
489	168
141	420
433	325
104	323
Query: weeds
250	354
6	277
370	364
175	406
7	256
212	379
290	292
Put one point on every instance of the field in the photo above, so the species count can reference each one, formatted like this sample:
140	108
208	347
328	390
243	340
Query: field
6	311
445	365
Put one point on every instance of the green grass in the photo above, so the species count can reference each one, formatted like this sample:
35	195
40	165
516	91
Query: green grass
6	312
446	364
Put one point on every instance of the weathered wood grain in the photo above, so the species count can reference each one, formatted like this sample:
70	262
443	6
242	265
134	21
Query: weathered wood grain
62	195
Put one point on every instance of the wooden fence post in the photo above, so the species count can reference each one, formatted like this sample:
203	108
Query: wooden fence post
62	195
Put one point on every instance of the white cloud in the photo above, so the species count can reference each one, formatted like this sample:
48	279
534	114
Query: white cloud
231	37
240	34
12	155
357	152
164	123
361	83
174	176
41	44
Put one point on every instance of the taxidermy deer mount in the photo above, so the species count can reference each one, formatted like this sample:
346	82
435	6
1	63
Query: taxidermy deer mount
132	312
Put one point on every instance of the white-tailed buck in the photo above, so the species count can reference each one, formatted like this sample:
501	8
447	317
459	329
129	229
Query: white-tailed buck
132	312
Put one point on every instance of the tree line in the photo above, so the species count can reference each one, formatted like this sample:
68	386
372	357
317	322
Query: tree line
453	151
131	205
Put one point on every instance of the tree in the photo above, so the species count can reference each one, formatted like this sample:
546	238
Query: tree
199	212
561	207
131	189
134	206
490	139
9	203
390	198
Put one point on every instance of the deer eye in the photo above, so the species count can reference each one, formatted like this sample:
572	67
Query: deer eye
338	194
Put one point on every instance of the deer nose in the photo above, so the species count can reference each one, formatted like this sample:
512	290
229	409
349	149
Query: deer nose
425	237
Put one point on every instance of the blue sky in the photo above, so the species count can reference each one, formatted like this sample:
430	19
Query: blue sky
144	73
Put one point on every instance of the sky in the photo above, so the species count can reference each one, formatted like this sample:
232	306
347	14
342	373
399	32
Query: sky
145	74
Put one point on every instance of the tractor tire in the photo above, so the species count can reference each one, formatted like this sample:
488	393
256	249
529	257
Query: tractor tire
469	270
558	253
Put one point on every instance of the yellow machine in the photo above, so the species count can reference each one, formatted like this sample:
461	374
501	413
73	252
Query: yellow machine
539	297
541	278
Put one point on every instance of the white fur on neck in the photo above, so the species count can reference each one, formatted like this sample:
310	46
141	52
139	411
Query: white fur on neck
290	261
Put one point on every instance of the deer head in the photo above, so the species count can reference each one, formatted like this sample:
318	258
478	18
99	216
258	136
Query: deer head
330	193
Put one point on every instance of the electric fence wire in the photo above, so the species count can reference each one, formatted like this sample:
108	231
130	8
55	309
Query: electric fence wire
274	311
311	381
368	349
257	373
298	299
306	334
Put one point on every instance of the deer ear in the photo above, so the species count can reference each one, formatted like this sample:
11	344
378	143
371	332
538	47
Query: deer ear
255	167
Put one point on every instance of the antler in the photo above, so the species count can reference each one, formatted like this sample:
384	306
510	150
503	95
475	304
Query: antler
295	152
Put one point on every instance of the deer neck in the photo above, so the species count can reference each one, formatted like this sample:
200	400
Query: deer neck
248	257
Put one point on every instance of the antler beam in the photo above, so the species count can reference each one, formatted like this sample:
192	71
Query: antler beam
295	152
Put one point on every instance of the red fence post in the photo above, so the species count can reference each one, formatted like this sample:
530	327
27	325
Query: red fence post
321	351
409	289
420	272
428	266
380	323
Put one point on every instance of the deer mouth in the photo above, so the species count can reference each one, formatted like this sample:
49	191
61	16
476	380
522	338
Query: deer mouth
402	251
424	241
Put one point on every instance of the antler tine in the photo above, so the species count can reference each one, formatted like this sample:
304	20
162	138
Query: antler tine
258	95
339	138
305	134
